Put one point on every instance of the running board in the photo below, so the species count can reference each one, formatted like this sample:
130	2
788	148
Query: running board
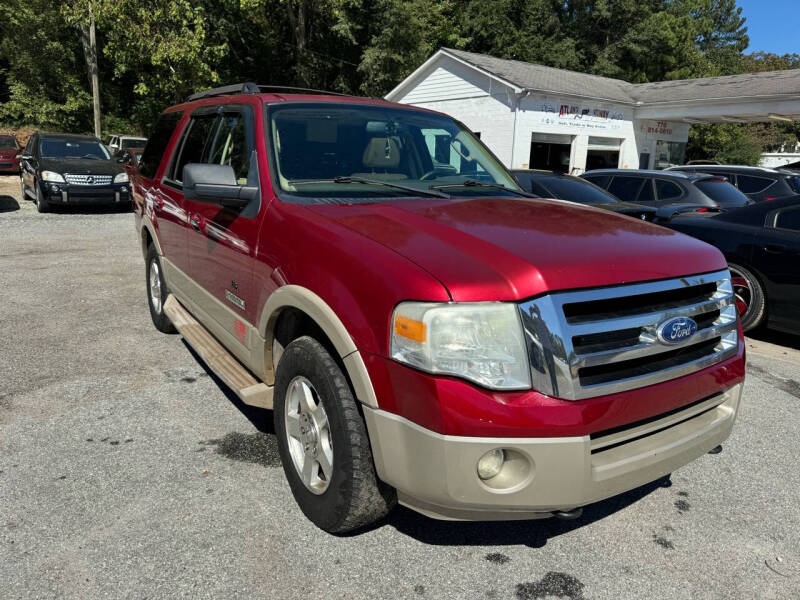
219	360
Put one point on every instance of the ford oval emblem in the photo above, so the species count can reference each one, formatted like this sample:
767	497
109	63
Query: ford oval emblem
676	330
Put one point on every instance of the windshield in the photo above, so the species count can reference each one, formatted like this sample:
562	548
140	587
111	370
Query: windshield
72	148
133	143
313	145
8	141
576	190
723	193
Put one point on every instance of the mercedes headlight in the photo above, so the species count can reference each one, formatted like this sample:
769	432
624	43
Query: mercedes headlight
482	342
121	178
52	177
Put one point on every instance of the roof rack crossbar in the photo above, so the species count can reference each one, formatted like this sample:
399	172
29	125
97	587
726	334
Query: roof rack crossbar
253	88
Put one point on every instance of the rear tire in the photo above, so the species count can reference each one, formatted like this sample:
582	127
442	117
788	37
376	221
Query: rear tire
750	298
156	291
323	442
42	205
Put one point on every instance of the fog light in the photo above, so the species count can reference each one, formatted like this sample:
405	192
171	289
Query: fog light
123	189
490	463
54	188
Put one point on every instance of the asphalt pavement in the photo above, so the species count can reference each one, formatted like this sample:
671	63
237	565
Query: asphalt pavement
128	471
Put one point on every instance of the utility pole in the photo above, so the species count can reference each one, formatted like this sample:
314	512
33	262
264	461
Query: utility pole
93	72
89	41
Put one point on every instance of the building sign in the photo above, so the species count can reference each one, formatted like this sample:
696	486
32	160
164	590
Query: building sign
660	128
579	116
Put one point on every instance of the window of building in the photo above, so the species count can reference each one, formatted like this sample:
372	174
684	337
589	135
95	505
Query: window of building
669	154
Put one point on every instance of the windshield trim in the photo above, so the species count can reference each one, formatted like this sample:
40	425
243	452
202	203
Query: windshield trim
269	108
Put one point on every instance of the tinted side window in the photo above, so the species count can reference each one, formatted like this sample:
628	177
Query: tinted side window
753	185
789	218
599	180
626	188
157	143
646	194
196	144
668	190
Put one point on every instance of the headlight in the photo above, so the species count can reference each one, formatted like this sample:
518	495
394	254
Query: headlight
481	342
52	177
121	178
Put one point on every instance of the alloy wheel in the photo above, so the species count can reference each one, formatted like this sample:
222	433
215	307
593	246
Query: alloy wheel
742	292
308	435
155	286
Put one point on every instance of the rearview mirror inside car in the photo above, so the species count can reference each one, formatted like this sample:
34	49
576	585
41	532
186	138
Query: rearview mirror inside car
216	184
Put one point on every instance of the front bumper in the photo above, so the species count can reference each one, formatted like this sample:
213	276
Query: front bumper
65	193
9	165
436	474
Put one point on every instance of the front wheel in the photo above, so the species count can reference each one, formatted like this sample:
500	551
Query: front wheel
749	296
323	442
42	205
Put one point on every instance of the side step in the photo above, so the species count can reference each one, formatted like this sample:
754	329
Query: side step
223	363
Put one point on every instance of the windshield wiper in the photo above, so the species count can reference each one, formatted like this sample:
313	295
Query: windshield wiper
476	183
397	186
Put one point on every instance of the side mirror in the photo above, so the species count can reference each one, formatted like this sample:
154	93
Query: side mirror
216	184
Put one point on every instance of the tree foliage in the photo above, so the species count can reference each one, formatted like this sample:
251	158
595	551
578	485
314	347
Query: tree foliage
153	53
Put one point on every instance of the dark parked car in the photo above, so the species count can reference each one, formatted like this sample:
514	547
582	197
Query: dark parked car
762	245
60	168
756	183
9	154
684	191
547	184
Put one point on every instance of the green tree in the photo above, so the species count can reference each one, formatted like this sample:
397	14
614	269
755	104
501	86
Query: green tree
727	143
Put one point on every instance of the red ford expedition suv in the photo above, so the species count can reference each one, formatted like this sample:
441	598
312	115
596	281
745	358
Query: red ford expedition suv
423	331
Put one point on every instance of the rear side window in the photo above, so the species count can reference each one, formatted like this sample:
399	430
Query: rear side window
753	185
788	218
646	195
722	192
668	190
794	183
157	143
626	188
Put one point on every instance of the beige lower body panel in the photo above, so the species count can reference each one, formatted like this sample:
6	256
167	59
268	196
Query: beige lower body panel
437	474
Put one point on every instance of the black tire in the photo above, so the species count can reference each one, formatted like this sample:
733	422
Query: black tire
354	496
160	319
42	205
751	294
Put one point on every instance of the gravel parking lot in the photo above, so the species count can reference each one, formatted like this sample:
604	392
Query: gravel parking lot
128	471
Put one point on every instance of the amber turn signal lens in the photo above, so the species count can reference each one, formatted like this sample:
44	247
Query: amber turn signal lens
410	328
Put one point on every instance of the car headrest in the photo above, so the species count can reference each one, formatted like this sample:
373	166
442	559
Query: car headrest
381	153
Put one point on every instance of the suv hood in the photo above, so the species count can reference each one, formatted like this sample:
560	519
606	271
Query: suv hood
80	165
511	249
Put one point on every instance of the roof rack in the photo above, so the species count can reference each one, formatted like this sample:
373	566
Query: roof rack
254	88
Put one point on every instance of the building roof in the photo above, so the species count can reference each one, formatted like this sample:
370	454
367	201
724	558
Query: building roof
548	79
560	81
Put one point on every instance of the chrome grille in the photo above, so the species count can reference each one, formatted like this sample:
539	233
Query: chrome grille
602	341
87	179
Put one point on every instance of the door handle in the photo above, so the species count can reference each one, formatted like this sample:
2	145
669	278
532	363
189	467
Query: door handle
196	223
775	248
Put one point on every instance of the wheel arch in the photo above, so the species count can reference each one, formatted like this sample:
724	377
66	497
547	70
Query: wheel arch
148	236
310	311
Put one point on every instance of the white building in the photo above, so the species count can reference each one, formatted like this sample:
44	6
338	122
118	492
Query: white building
544	118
